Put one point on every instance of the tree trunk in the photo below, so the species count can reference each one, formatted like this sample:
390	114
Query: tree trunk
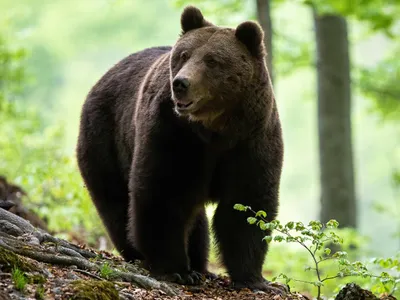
264	18
338	200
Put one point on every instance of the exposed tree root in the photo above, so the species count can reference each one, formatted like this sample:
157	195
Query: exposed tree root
20	237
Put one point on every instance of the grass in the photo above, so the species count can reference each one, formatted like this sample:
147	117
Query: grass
19	279
106	271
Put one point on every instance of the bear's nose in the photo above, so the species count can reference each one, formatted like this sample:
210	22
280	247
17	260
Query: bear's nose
180	85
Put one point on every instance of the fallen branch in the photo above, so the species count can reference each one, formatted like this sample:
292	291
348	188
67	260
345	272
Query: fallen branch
88	274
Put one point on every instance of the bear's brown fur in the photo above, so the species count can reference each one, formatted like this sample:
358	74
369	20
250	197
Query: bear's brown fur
166	130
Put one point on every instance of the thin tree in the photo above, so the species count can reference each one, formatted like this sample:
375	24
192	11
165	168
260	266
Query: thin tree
264	18
338	199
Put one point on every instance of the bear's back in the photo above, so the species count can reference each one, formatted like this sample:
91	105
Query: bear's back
113	99
122	81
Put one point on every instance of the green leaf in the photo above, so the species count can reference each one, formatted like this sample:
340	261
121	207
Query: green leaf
299	226
332	224
251	220
315	225
267	238
290	225
318	283
290	239
299	239
307	232
340	254
264	226
240	207
275	224
261	213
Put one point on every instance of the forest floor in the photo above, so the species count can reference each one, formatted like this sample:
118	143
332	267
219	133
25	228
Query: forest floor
73	283
36	265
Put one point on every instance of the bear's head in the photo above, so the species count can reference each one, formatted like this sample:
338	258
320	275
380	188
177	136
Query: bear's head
214	68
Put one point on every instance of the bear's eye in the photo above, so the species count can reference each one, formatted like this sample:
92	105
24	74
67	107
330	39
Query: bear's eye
211	62
184	56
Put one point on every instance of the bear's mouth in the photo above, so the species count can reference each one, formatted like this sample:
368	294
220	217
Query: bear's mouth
183	107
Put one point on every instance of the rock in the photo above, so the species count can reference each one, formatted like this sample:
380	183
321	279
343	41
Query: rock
352	291
72	276
56	290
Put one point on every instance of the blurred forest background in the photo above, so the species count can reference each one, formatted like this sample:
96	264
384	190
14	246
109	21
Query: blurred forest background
340	114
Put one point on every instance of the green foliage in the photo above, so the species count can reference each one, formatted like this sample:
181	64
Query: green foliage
389	281
381	84
39	293
369	11
392	211
224	12
106	271
32	156
32	153
19	279
293	53
12	72
396	178
318	239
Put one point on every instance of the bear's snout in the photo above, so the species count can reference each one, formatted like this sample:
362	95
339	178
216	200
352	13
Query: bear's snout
180	85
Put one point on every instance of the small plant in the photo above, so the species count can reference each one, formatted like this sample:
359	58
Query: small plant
19	279
315	239
39	293
388	283
106	271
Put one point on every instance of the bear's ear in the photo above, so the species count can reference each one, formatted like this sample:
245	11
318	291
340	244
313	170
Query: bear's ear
192	18
252	36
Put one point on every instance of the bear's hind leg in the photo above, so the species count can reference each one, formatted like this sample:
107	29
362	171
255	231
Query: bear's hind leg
109	191
199	243
111	201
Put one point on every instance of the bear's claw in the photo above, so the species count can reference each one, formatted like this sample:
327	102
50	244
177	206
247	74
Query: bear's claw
191	278
265	286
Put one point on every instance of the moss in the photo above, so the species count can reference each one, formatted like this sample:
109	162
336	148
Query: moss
94	290
10	260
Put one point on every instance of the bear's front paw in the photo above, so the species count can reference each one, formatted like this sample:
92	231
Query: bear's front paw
263	285
191	278
210	276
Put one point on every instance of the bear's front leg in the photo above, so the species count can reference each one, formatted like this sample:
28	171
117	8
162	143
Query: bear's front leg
250	176
159	233
166	193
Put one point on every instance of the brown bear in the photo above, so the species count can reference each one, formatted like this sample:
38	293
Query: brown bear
167	130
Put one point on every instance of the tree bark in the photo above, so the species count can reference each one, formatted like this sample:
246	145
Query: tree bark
338	200
264	18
